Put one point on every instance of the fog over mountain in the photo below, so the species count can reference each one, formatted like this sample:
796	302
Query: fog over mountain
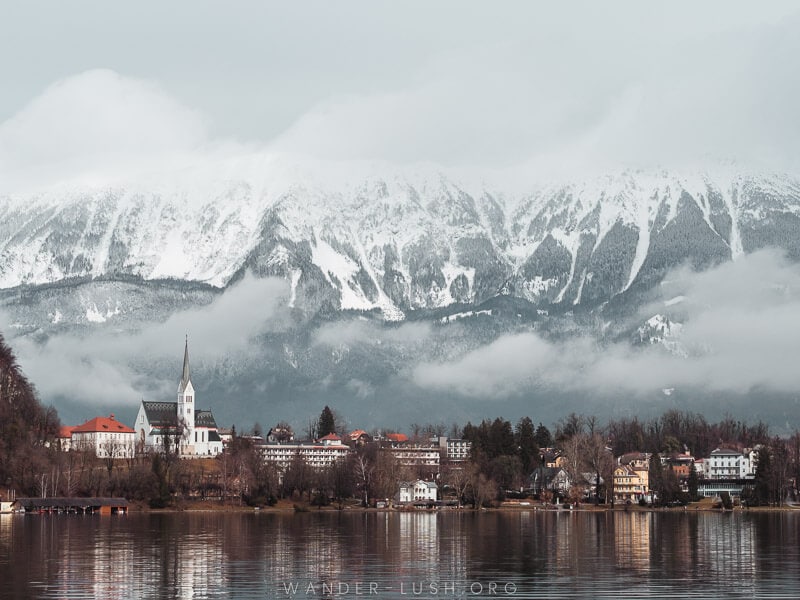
409	294
593	210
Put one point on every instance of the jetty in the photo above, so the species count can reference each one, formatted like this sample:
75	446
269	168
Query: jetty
80	506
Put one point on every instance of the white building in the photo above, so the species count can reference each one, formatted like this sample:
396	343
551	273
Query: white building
179	425
725	463
418	491
417	456
106	437
456	450
317	455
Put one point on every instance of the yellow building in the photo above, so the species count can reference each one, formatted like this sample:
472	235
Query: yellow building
632	477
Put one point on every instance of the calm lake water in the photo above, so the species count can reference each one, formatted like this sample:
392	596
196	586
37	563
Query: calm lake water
401	555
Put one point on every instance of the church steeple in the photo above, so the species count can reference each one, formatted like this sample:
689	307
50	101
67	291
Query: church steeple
185	374
185	406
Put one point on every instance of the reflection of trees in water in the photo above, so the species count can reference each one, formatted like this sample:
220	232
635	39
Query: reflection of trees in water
186	555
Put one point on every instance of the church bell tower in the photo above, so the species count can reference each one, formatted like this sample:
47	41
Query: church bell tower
186	404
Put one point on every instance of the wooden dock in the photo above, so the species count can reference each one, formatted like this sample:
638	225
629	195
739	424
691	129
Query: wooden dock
80	506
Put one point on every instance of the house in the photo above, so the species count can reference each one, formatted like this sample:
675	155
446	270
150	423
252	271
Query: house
359	438
728	463
330	440
632	477
106	437
551	457
552	479
679	463
418	491
178	426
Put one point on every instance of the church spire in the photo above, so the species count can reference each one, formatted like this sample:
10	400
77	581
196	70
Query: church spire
185	374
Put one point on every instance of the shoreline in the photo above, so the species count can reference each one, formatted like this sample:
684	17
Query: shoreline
290	508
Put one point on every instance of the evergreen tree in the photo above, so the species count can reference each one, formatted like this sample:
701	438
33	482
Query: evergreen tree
656	478
327	423
543	437
693	483
764	476
527	449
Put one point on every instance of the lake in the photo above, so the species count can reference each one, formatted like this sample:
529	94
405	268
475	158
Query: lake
353	554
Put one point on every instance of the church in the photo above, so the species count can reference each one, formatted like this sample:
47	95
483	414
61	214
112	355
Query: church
178	426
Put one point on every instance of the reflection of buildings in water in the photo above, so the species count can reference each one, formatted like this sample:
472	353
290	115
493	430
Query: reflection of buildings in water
729	547
578	541
455	541
419	542
632	540
566	543
109	565
305	549
325	556
673	544
199	567
5	530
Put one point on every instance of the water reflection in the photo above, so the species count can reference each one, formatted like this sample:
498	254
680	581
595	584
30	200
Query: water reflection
565	555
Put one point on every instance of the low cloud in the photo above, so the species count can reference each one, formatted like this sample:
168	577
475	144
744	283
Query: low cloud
94	127
109	368
559	92
740	324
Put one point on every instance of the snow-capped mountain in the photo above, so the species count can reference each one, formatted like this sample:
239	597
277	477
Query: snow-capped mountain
468	262
393	242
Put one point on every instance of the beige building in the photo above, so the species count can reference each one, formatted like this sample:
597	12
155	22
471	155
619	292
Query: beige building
632	477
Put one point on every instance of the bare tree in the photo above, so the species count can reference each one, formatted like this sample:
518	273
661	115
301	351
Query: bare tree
363	470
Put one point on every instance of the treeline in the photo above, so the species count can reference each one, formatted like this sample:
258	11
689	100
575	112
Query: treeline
26	428
675	430
503	457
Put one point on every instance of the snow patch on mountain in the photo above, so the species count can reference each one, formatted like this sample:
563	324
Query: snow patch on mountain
660	330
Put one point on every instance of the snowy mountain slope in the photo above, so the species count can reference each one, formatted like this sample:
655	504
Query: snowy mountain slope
396	242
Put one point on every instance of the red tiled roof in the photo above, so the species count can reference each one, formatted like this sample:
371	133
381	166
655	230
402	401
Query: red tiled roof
354	435
332	437
103	424
397	437
66	431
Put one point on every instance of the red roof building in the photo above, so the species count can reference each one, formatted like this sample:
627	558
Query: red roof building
64	437
106	436
330	440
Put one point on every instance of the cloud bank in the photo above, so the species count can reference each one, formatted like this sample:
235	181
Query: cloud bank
110	368
529	93
97	126
740	324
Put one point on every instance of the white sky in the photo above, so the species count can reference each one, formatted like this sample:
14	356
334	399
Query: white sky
460	84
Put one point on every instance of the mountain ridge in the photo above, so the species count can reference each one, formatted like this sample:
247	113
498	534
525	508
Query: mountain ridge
396	245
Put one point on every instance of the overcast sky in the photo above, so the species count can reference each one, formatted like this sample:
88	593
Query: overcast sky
107	89
458	84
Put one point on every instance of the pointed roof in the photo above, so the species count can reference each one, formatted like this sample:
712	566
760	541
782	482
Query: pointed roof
103	424
165	414
185	373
